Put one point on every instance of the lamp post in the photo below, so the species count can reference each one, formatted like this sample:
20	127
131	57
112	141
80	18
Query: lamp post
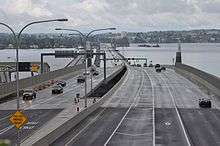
85	37
17	41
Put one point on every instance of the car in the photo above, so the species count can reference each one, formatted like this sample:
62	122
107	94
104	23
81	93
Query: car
92	69
95	73
205	103
61	83
145	65
80	79
29	94
86	73
151	65
157	66
57	89
163	68
138	65
158	69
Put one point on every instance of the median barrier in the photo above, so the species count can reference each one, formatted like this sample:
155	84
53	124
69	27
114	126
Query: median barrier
45	139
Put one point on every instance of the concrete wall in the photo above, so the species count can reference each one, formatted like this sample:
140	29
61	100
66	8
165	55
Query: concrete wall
56	133
9	88
209	81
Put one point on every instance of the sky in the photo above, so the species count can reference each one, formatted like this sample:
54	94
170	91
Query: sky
125	15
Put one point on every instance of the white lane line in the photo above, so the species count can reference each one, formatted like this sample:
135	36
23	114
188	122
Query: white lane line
6	129
72	139
153	111
125	113
178	114
127	134
5	117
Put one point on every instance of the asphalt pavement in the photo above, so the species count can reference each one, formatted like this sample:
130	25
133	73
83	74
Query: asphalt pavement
44	107
150	109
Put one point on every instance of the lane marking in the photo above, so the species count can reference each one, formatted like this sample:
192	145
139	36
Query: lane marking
6	129
72	139
134	135
5	117
153	111
178	114
125	113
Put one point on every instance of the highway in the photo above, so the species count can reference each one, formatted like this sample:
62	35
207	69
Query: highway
45	106
150	109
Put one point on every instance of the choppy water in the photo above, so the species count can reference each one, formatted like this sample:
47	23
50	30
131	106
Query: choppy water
204	56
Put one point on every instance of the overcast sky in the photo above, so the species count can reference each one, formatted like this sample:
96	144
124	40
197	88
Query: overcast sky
125	15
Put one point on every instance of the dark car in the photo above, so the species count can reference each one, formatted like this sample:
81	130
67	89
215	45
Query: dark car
80	79
138	65
145	65
163	68
29	94
61	83
57	89
92	69
157	66
205	103
151	65
158	69
95	73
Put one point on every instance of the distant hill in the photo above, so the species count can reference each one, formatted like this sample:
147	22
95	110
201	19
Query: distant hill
55	40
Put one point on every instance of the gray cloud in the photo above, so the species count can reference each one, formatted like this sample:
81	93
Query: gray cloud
124	14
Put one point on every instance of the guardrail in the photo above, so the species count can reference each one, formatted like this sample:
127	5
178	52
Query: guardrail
10	88
62	129
210	81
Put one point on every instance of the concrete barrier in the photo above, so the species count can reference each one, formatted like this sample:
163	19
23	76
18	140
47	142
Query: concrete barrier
59	131
195	75
10	88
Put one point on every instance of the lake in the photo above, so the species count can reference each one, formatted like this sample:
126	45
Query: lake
204	56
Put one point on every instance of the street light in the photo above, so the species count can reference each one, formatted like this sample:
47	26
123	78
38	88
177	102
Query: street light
17	40
85	37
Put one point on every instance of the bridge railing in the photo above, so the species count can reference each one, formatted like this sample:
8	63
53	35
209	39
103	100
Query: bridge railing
208	78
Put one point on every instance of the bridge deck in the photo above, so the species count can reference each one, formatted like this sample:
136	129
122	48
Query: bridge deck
46	106
150	109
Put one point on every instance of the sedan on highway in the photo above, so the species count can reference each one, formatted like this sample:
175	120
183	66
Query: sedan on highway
158	69
29	94
157	66
61	83
57	89
95	73
205	103
80	79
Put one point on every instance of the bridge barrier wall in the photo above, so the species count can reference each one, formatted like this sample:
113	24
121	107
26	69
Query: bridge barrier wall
195	75
56	133
9	88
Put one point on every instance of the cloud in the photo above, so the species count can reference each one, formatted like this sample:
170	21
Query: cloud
124	14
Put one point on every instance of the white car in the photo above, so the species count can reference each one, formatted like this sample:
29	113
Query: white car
29	94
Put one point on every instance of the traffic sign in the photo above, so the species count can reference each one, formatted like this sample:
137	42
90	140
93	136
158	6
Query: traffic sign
18	119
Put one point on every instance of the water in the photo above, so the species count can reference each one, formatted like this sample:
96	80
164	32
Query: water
204	56
32	55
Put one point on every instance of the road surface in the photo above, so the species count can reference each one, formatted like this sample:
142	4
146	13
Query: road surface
44	107
150	109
